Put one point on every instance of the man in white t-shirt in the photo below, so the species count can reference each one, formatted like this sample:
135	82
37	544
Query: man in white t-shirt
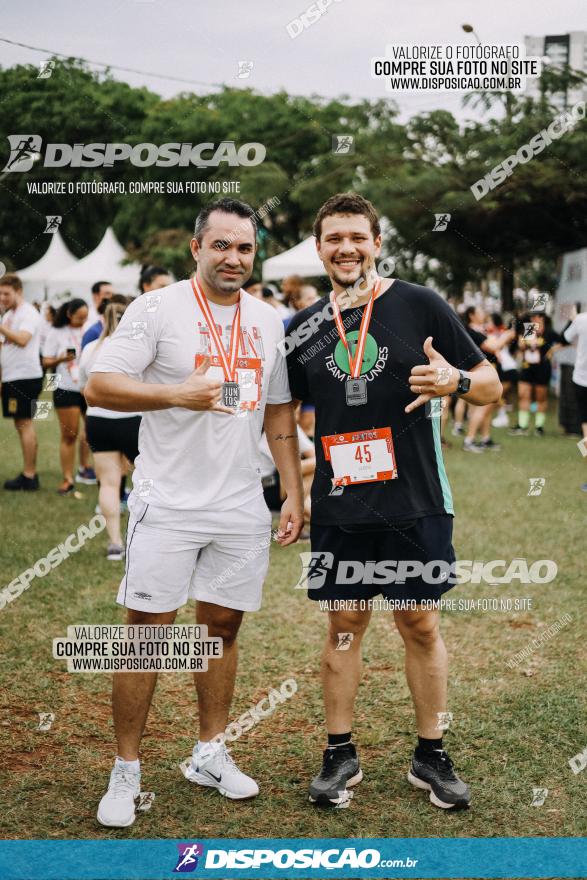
576	333
200	361
22	375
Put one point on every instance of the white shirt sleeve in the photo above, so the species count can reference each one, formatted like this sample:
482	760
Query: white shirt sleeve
278	391
52	344
30	322
572	332
133	345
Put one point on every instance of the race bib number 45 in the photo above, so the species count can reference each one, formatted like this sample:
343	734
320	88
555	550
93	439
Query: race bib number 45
361	456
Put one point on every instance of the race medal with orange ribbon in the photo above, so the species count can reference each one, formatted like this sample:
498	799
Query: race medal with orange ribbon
356	386
230	387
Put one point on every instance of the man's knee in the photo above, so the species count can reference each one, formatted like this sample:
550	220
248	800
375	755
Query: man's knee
342	625
420	628
223	623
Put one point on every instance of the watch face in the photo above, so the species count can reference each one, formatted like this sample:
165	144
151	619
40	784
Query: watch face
464	384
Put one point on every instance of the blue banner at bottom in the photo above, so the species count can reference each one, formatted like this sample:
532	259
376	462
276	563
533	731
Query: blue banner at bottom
529	857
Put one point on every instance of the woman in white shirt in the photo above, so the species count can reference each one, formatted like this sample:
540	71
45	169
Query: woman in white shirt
61	352
113	438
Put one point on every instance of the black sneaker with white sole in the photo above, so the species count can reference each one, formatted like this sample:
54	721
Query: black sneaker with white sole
340	770
433	772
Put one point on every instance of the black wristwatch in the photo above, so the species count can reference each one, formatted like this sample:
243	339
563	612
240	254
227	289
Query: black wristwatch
464	383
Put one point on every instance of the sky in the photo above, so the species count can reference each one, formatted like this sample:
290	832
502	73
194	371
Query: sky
204	41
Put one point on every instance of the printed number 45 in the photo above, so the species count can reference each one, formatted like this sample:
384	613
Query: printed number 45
365	451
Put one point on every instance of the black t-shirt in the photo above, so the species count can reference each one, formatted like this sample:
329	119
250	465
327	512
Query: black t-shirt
535	349
403	316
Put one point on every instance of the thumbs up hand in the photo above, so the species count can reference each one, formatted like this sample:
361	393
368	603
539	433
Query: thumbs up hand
437	378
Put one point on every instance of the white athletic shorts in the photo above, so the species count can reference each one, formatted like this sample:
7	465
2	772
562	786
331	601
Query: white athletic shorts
220	557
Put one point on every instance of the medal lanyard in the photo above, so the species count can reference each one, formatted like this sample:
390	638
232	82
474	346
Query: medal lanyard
228	362
355	363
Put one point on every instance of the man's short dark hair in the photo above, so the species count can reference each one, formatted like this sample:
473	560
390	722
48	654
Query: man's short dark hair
149	273
96	287
229	206
347	203
11	280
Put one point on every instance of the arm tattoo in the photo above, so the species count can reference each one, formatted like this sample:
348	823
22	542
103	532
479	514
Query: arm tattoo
285	436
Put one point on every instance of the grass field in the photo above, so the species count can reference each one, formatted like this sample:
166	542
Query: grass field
513	729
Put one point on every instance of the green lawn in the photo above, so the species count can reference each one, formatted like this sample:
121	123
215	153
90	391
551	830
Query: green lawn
513	729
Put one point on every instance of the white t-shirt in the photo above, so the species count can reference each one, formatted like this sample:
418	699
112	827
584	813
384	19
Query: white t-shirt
86	361
21	361
58	340
195	460
267	463
578	331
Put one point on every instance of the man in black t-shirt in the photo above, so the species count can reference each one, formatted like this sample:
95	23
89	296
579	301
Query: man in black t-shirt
381	503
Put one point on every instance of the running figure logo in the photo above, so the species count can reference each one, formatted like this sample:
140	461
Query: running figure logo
343	143
529	330
189	853
244	69
23	149
539	795
53	223
536	485
441	222
344	641
314	569
539	302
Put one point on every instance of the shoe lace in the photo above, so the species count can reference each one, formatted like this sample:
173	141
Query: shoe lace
226	758
122	781
442	763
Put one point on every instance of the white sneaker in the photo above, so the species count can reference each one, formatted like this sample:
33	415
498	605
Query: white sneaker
213	767
501	420
117	807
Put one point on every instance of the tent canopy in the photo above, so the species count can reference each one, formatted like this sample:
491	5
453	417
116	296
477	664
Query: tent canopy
102	264
299	260
35	278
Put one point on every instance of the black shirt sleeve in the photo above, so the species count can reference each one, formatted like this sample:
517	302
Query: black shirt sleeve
298	381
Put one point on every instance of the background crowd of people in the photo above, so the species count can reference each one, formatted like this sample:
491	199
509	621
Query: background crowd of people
60	341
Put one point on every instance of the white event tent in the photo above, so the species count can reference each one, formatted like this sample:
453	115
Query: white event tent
105	263
299	260
35	278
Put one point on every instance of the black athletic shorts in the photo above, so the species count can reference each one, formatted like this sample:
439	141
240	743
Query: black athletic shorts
19	397
114	435
63	399
581	395
363	564
507	375
272	491
537	374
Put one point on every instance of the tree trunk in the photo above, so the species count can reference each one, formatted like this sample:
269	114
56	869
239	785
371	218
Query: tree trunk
507	286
